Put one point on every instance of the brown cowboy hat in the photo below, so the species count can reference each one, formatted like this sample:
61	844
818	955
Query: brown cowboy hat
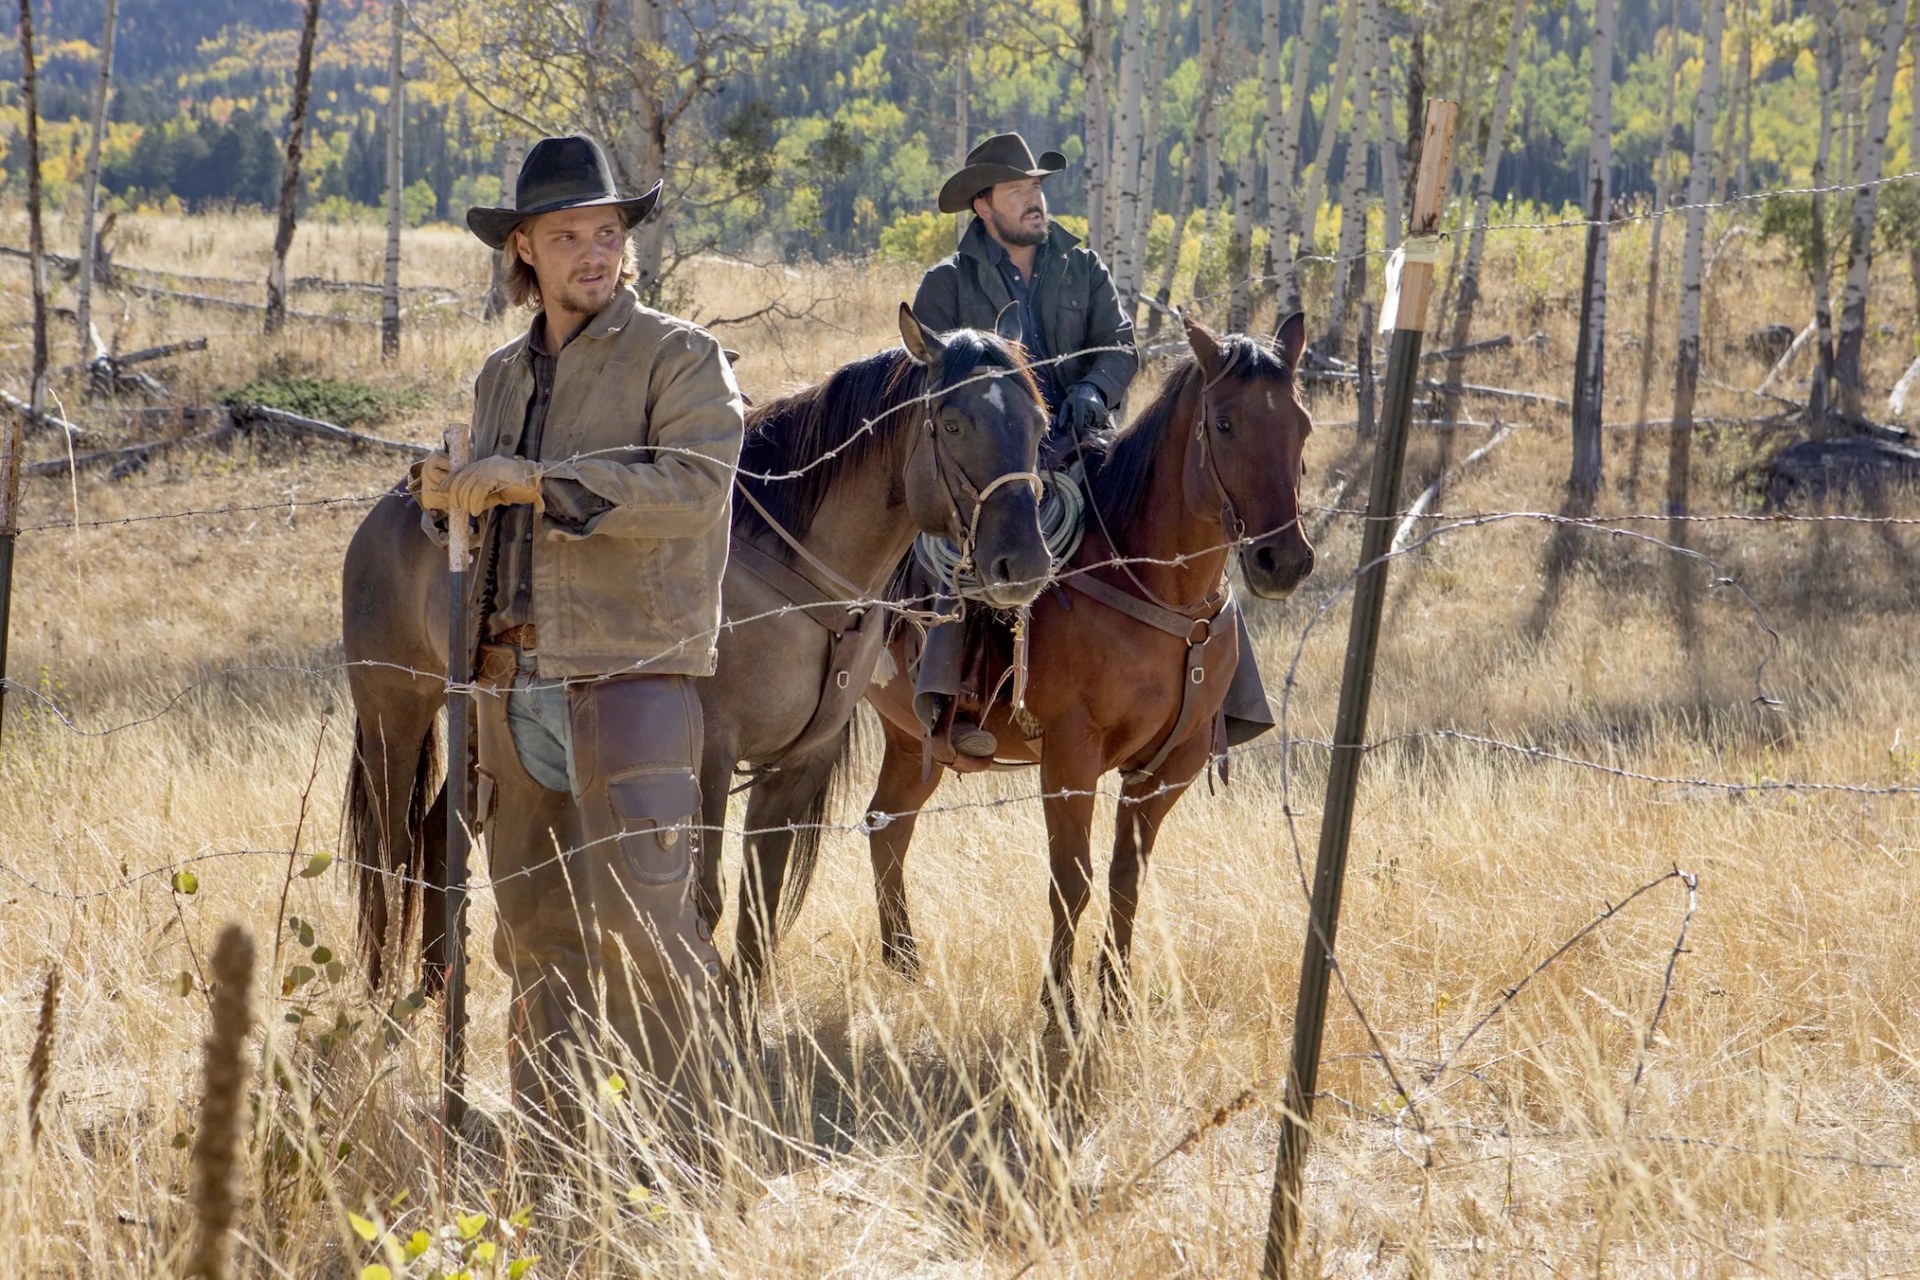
1002	158
559	173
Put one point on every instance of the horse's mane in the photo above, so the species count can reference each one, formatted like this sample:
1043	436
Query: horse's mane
1120	462
793	433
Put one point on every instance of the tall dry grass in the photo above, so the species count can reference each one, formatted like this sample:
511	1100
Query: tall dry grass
886	1128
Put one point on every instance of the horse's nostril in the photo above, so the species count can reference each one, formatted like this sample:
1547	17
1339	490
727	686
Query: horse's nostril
1264	558
1002	569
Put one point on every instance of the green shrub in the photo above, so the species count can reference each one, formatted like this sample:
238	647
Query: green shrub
345	404
917	239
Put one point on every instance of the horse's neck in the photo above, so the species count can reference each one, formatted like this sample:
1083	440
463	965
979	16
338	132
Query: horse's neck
863	528
1178	554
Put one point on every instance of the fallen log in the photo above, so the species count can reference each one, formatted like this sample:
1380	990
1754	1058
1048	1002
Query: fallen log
231	304
1456	388
129	457
248	416
25	410
1404	533
1500	343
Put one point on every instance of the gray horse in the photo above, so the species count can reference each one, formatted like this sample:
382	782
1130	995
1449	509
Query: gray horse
941	436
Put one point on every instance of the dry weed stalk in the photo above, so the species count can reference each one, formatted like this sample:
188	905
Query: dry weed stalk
225	1069
40	1062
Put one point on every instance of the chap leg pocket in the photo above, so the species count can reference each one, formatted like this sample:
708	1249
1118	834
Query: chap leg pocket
656	807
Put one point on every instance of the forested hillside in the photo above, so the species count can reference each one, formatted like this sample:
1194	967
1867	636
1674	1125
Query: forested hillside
819	126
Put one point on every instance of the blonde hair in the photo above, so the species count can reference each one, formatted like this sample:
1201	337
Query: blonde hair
523	286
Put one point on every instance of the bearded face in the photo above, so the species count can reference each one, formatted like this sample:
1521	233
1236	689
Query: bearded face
1015	212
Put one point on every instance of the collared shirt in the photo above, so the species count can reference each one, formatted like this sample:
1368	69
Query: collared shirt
509	592
1033	335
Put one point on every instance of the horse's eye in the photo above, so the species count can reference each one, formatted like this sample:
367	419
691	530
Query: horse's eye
950	422
1222	425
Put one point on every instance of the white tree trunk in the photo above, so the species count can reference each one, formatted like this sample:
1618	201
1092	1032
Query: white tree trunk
1283	215
1240	248
1590	359
1746	107
1662	194
396	125
1191	180
1386	134
1150	158
1853	308
1126	148
1329	128
89	230
1469	290
1095	18
649	165
497	301
1353	184
962	66
1686	377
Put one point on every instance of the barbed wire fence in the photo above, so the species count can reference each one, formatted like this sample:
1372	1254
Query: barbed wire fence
1414	1086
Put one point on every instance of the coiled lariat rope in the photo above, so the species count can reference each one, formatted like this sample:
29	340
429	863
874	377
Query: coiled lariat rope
1062	504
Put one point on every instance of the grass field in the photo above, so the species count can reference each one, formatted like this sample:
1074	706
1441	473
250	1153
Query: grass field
1769	1125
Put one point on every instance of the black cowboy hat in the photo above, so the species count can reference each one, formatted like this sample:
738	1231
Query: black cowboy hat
1002	158
559	173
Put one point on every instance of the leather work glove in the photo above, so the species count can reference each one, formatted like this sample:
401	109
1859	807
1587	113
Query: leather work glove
500	481
427	480
1083	411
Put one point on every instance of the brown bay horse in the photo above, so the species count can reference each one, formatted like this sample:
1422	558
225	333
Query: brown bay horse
1132	649
921	438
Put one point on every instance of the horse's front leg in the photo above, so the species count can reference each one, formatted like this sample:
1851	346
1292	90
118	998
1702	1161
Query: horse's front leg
1143	807
899	793
1069	772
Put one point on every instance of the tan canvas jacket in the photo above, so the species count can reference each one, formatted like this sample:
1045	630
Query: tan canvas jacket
646	415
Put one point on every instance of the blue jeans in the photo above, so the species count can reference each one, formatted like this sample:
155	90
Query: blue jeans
540	719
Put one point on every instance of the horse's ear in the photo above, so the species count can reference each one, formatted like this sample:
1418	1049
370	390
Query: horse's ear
1290	339
1205	344
922	343
1007	323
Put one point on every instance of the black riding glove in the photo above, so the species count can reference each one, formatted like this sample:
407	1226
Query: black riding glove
1083	411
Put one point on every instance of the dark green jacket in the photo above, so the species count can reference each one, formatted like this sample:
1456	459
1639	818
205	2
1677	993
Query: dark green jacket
1074	296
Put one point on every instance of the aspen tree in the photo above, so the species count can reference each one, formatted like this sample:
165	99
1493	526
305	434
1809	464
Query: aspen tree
1096	20
1590	358
1150	157
1662	195
1820	389
648	56
1686	375
1872	151
1329	127
1284	217
1353	185
396	126
1211	41
1125	181
290	172
1240	248
90	207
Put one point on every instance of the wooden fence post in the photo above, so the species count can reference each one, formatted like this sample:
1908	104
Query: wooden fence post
1407	313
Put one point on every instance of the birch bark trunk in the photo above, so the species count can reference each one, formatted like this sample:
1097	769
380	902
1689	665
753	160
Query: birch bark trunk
1284	216
290	172
1724	158
1329	129
962	67
1386	137
1820	388
90	210
497	301
1686	375
1590	359
1662	193
1240	248
649	108
1853	308
1095	17
1745	183
396	126
1126	150
1150	160
1353	186
1197	146
1469	292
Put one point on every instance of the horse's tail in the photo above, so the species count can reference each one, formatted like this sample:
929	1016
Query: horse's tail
371	862
805	853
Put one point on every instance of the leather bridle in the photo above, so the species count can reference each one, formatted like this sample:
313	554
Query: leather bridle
946	468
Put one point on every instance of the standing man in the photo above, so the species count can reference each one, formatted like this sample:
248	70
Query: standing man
604	447
1071	323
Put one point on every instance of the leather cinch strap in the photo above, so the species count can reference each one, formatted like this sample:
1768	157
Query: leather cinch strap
1196	632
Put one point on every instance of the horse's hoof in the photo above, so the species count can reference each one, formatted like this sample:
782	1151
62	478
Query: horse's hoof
1063	1015
903	958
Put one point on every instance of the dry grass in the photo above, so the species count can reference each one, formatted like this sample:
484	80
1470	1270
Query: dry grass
931	1129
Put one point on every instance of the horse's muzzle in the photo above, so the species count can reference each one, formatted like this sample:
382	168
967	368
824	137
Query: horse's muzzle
1275	565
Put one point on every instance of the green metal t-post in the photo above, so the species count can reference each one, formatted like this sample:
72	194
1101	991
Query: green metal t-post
1409	318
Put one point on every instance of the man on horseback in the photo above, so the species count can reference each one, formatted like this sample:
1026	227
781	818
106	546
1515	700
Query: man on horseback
1012	260
604	446
1013	263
